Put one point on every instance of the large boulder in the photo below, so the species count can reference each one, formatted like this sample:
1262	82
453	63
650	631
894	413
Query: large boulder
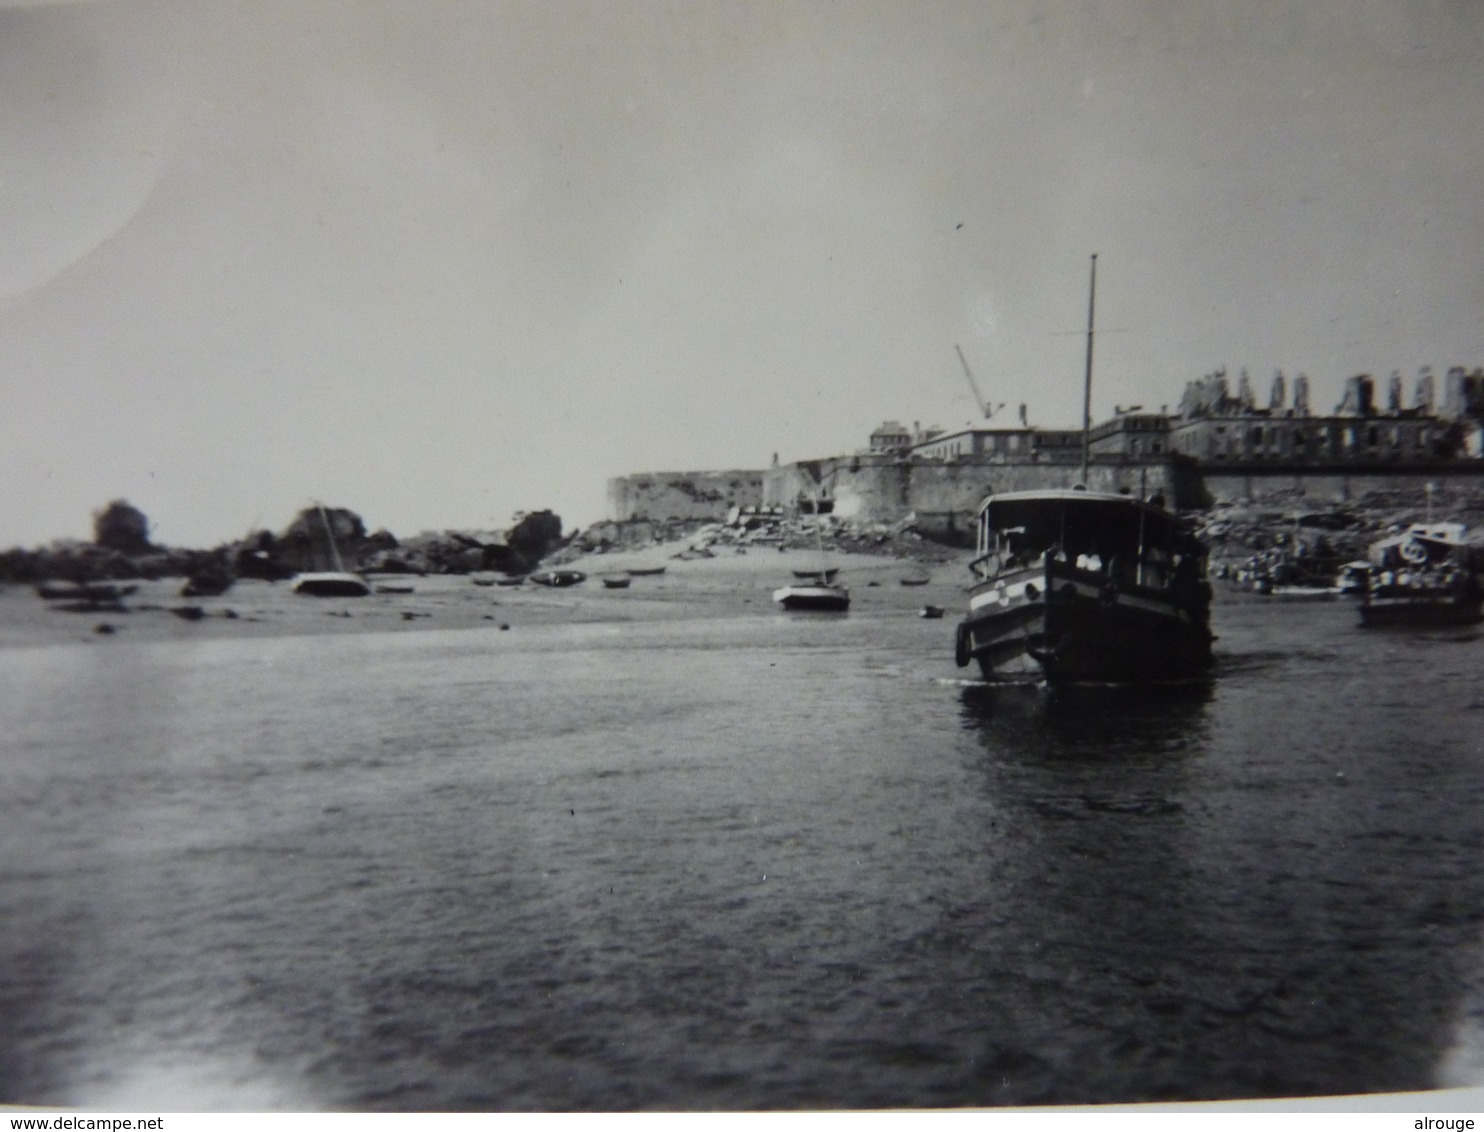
121	527
536	535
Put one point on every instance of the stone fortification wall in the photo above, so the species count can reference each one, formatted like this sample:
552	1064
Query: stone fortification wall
944	498
683	495
1458	484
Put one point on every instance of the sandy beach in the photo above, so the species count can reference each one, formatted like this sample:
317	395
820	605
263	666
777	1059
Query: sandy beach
728	584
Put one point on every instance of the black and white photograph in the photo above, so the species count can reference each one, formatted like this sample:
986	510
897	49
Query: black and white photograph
741	556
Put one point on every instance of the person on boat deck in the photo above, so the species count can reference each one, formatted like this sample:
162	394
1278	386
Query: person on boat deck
1018	551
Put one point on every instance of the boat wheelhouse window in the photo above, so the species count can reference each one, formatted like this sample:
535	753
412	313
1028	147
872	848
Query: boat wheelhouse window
1022	531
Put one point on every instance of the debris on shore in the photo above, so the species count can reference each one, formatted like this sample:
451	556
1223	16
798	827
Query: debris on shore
758	529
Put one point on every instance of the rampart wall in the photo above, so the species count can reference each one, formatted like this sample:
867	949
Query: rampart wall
943	497
1258	484
683	495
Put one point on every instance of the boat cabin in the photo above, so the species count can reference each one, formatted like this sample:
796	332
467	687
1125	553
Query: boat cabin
1425	545
1118	537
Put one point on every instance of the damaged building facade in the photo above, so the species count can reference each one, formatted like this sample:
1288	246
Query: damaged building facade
1223	444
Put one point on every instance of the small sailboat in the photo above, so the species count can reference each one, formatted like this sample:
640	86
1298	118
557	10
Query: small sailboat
815	590
338	582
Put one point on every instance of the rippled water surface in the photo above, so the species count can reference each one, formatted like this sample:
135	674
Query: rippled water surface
772	861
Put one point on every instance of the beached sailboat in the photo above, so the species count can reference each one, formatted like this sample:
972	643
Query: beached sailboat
815	590
338	582
1076	585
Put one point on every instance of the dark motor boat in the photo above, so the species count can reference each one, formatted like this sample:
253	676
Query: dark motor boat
1086	586
558	578
816	597
1426	576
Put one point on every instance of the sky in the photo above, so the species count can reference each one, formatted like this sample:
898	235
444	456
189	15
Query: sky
438	262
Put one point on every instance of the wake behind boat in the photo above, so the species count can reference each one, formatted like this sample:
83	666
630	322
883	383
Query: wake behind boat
1086	586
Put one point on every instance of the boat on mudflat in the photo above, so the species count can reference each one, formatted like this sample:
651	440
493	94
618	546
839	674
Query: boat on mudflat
330	583
557	579
616	581
644	571
819	597
1427	576
1077	586
97	592
338	582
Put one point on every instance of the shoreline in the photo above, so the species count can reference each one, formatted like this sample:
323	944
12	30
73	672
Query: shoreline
727	584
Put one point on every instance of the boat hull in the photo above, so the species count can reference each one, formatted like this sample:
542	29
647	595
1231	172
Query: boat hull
818	599
100	592
1070	625
331	584
1421	612
558	579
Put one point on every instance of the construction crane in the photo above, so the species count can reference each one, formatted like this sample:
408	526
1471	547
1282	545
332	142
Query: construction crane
984	406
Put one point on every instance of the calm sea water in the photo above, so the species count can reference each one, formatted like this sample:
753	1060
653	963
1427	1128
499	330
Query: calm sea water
760	862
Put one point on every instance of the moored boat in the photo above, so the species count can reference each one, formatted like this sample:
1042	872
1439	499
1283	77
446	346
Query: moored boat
330	583
616	582
644	571
1426	576
1086	586
558	579
338	582
820	597
207	583
99	592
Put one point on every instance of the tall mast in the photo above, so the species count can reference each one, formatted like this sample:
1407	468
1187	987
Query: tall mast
330	535
1092	294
